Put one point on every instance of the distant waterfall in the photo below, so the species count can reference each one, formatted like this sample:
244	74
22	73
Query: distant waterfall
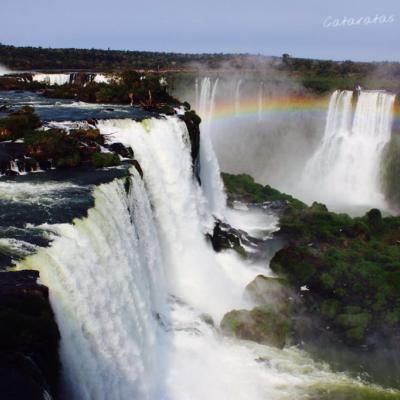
237	96
347	163
260	100
4	70
209	168
53	79
101	78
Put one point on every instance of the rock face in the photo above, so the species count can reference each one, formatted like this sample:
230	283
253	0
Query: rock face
269	290
261	324
29	362
192	121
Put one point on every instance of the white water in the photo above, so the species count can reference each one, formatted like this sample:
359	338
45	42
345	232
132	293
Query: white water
130	282
52	79
209	168
101	78
346	166
237	97
4	70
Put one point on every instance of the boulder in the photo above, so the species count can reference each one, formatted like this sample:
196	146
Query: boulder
261	324
269	290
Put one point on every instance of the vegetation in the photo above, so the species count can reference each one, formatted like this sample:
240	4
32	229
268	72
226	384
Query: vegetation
129	87
243	187
28	58
19	124
349	266
101	160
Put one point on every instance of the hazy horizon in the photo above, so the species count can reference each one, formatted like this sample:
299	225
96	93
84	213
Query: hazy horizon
360	31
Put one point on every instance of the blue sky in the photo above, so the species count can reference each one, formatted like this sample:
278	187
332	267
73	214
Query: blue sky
269	27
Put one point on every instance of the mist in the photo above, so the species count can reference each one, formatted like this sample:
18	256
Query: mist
256	126
4	70
264	123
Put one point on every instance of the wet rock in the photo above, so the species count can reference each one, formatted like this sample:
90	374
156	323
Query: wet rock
269	290
120	149
261	324
225	237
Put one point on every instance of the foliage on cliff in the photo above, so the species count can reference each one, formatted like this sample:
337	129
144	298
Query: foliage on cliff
349	266
243	187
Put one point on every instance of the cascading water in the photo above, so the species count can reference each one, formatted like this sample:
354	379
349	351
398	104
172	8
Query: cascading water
347	163
209	170
237	96
4	70
130	285
101	78
52	79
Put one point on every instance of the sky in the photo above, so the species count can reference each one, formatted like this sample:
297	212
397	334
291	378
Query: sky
334	29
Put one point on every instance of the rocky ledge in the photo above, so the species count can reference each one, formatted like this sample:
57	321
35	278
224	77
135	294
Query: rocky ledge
29	337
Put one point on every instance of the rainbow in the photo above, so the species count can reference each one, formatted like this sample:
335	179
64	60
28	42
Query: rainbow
252	108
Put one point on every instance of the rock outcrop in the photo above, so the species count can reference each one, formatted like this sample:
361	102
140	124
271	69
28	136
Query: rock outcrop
29	337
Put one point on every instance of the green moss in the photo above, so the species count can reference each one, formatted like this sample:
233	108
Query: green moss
261	324
102	160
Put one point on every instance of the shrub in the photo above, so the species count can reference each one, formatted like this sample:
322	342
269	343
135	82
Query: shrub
101	160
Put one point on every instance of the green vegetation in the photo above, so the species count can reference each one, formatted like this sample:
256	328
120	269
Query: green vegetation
54	144
129	87
28	58
19	124
243	187
101	160
350	265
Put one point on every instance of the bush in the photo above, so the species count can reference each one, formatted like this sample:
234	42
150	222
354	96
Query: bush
20	123
101	160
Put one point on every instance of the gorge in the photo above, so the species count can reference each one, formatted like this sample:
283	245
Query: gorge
138	291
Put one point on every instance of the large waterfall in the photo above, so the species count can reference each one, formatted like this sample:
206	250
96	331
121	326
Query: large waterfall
346	166
131	284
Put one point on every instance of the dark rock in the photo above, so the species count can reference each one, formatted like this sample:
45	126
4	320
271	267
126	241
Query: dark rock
192	121
29	362
120	149
136	164
225	237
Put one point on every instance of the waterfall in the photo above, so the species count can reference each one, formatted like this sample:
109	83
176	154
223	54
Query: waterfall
209	168
52	79
130	283
260	101
4	70
106	283
237	96
101	78
347	163
196	93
